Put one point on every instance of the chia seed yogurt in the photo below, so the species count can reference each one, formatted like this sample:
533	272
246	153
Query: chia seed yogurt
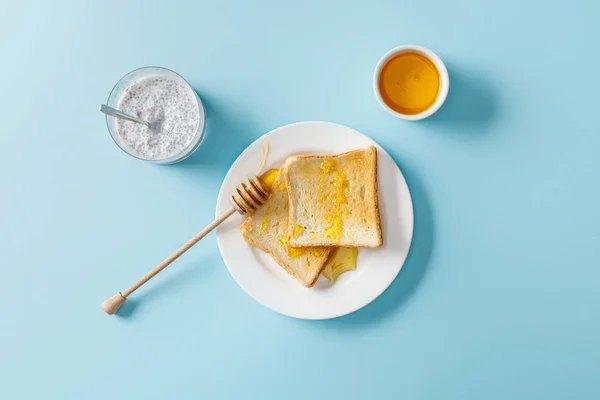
171	106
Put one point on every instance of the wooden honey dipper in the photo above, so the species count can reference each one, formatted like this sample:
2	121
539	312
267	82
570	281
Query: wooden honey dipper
248	196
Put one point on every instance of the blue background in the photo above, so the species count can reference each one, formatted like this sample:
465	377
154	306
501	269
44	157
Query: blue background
499	296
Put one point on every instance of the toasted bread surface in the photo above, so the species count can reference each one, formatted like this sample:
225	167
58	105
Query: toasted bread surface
267	229
333	200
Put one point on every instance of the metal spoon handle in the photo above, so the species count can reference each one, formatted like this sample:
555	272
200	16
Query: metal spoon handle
119	114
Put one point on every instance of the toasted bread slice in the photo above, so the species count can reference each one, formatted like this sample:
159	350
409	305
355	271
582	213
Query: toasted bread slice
333	200
267	229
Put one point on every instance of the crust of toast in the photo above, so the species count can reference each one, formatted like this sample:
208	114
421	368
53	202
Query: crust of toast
290	271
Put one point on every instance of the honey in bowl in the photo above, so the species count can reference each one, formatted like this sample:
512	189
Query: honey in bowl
409	82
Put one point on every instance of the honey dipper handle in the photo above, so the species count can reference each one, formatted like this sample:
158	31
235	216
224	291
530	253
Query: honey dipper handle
178	252
112	304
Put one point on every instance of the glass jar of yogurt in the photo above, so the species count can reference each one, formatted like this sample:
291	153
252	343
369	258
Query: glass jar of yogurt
163	98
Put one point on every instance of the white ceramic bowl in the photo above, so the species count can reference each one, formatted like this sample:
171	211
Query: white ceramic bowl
444	81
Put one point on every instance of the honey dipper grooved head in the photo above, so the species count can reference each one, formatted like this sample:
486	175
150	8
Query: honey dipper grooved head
250	195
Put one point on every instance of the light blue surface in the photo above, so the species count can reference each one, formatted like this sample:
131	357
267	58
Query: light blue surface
499	298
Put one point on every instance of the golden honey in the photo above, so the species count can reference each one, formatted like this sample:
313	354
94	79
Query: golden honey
326	165
409	83
292	251
269	177
265	152
337	193
264	222
297	230
342	259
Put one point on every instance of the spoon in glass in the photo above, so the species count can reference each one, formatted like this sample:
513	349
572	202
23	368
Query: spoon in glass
113	112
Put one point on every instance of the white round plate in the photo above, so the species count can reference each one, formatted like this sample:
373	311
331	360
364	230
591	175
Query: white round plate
265	281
